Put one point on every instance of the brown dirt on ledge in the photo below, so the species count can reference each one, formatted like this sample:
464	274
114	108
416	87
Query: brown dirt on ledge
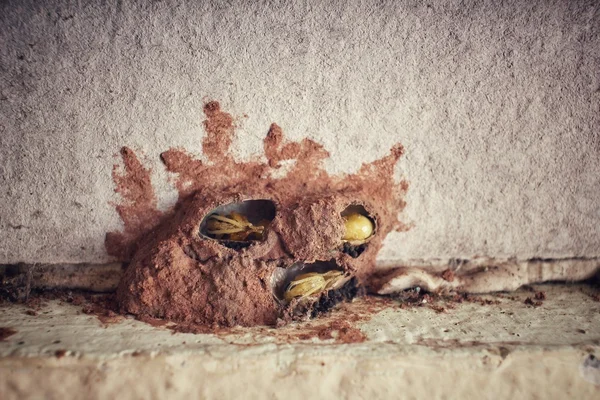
6	332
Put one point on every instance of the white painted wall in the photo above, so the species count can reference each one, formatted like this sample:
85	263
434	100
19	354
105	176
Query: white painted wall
497	106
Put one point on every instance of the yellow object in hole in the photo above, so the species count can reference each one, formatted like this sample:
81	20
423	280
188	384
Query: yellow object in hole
358	227
234	227
311	283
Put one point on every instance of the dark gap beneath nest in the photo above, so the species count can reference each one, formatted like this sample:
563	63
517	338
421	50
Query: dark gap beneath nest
354	251
330	299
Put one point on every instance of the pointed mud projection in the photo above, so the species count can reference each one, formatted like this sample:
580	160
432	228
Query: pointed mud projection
137	211
181	273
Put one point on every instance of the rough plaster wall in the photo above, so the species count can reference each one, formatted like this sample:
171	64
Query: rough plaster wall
497	106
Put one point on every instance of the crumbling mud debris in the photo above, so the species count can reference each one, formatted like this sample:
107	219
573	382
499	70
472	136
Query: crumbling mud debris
6	332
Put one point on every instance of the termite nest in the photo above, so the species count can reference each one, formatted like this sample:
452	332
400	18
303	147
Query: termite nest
246	259
246	245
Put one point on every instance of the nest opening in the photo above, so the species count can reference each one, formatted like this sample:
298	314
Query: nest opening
282	277
358	221
345	289
239	225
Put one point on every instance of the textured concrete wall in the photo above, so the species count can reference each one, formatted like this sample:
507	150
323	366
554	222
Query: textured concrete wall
498	108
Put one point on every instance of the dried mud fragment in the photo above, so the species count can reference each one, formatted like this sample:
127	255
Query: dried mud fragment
6	332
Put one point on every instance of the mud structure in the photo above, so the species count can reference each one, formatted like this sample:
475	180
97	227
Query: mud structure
180	272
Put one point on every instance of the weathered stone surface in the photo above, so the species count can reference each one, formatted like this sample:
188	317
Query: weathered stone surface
503	349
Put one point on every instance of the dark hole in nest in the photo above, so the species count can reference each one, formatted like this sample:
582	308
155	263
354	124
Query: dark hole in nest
259	212
354	251
235	245
333	297
326	300
283	277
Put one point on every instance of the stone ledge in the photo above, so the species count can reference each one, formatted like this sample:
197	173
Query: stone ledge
502	349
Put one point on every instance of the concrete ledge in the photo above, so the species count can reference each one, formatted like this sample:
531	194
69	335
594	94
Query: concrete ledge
297	374
492	347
